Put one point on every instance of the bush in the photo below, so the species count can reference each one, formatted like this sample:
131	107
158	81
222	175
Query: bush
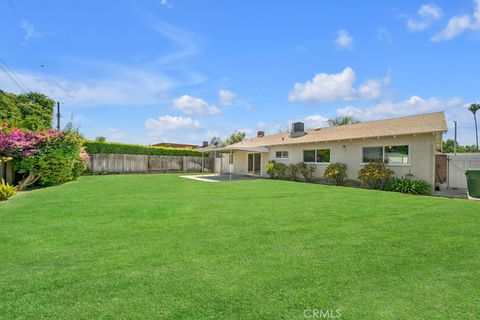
6	190
307	170
58	160
122	148
276	170
374	175
336	173
406	185
292	171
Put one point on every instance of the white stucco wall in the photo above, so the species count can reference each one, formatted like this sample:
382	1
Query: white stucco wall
422	155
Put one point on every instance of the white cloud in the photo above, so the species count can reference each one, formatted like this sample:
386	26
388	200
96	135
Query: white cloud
460	23
456	25
226	97
114	134
316	121
165	123
384	35
30	31
428	14
124	86
343	39
166	3
388	109
191	105
326	87
175	129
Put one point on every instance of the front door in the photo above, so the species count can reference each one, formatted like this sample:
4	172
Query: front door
254	163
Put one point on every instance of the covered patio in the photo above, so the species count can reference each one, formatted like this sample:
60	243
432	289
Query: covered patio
242	160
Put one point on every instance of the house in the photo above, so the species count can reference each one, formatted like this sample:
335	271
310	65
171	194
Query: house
175	145
408	145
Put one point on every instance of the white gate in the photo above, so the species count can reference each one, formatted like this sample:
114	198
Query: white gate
457	165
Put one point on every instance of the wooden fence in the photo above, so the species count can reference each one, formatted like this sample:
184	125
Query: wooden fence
128	163
6	172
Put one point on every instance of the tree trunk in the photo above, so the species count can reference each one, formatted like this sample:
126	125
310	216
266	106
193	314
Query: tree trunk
28	180
476	130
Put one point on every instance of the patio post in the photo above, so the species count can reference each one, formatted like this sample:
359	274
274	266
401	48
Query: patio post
202	162
230	165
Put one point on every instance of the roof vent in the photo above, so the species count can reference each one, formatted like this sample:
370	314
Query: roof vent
261	134
298	130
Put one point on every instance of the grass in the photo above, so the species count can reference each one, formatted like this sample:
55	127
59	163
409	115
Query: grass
159	246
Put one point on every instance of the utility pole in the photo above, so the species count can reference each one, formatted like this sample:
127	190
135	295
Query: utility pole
58	115
455	140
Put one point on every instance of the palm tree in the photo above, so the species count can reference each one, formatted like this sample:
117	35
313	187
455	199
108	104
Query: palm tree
341	121
474	107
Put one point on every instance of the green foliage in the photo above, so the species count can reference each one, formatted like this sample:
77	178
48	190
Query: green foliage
341	121
292	171
336	173
100	139
93	147
448	147
306	170
276	170
58	161
406	185
235	137
6	190
374	174
32	111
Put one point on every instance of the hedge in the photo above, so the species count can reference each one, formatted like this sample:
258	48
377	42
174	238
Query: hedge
93	147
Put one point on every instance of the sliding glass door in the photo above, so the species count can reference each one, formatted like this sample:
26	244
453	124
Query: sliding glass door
254	163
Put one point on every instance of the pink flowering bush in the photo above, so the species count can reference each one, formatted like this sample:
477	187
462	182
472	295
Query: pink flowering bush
49	157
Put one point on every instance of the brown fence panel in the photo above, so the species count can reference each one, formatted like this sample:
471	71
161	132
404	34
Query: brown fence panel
125	163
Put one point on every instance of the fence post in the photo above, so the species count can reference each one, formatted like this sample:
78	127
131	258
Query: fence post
184	164
10	175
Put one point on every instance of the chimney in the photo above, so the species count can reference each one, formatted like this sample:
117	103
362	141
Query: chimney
260	134
205	144
298	129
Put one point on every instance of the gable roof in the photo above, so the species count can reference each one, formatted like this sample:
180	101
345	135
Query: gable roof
416	124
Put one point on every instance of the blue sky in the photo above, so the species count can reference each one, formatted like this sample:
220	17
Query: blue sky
145	71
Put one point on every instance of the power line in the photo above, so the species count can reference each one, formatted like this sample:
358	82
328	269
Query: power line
14	74
13	79
14	10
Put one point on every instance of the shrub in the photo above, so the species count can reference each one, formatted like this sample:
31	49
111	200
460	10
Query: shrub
271	169
307	170
336	173
276	170
122	148
58	161
406	185
292	171
6	190
374	174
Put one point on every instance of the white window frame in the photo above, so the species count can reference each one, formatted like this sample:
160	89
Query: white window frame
282	157
315	162
409	163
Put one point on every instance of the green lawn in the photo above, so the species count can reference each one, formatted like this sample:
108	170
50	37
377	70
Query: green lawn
160	246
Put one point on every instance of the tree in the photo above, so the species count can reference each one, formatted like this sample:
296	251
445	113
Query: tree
448	147
474	107
235	137
216	141
32	111
341	121
100	139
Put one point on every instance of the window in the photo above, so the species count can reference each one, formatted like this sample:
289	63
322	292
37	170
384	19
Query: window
396	154
316	156
372	154
281	154
388	154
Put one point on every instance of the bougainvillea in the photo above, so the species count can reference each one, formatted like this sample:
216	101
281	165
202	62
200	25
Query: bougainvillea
50	157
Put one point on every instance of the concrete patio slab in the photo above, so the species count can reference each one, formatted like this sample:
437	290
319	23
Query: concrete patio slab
219	177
